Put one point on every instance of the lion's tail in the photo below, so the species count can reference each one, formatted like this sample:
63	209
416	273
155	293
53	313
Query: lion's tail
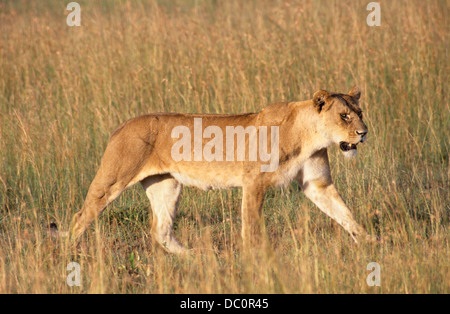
53	231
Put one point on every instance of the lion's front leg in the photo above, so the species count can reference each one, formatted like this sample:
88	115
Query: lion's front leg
329	201
252	220
315	180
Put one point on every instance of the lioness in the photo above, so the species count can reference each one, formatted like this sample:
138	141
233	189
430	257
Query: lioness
142	150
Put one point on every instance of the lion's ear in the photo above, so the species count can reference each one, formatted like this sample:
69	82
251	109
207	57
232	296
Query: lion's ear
319	99
355	92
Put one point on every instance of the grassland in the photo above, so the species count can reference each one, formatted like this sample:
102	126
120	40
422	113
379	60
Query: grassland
63	90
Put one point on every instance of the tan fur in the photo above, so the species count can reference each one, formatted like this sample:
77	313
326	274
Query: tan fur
140	151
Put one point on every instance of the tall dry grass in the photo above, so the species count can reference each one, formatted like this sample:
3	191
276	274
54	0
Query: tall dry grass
64	89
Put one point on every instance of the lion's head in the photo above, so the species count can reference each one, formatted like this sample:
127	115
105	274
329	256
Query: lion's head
341	117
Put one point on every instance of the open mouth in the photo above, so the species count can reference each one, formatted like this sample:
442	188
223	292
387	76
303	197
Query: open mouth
345	147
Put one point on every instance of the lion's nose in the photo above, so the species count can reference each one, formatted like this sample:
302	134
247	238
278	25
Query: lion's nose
361	133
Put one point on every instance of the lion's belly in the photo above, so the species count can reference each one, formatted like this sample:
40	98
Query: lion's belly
207	181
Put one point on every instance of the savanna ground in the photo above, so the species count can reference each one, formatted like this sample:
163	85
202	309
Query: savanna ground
63	90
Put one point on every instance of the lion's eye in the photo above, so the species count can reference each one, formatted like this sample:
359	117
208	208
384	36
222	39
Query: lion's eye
345	116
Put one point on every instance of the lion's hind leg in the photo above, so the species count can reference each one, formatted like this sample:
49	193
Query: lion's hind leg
103	191
164	191
120	166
